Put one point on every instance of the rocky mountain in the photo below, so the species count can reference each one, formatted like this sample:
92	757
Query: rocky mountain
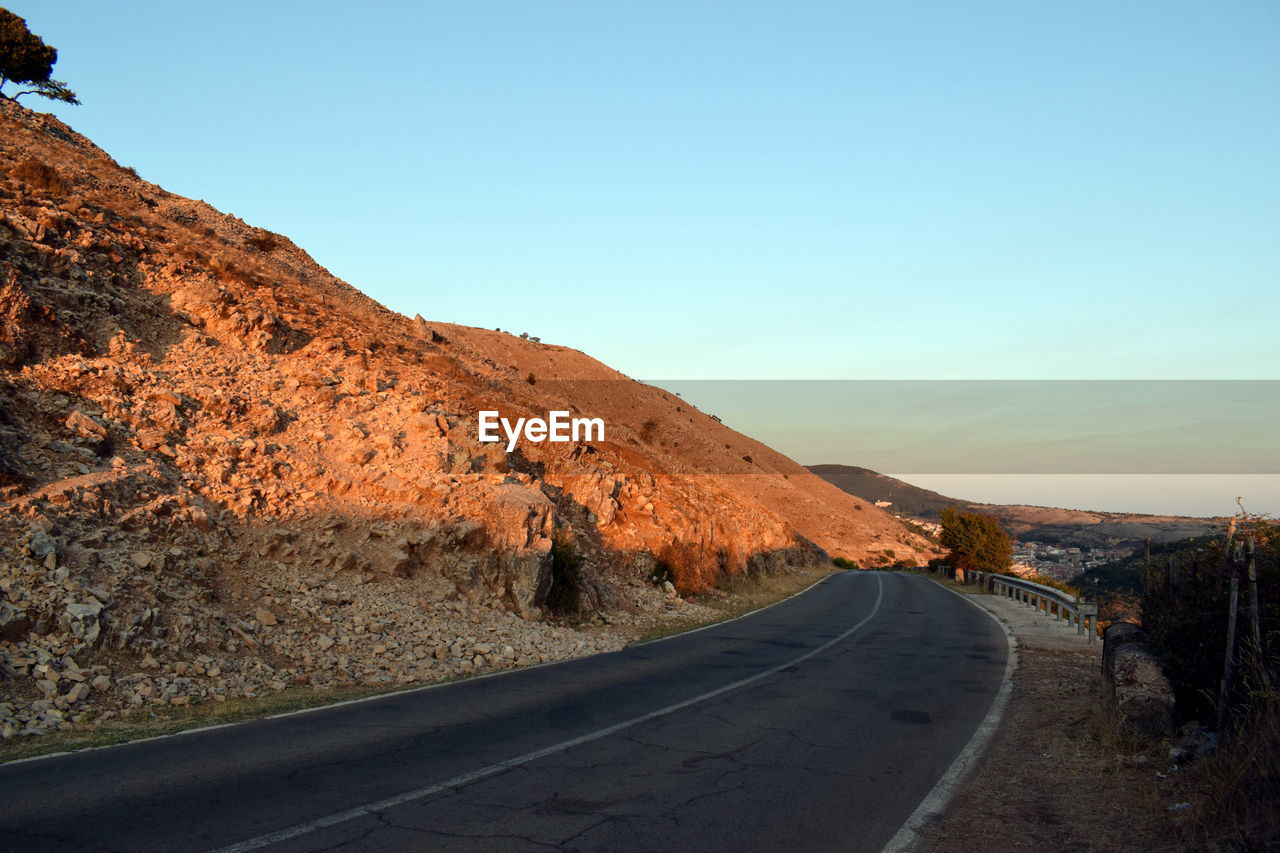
1050	525
224	471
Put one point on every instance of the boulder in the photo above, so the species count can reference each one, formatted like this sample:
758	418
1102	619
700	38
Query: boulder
84	620
42	545
1114	637
1143	695
85	426
14	623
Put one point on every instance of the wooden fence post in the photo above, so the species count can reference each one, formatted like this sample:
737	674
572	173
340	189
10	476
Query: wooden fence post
1229	660
1254	617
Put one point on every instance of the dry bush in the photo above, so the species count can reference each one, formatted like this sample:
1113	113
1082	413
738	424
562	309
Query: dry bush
649	431
564	598
39	175
263	241
1186	621
691	570
1241	780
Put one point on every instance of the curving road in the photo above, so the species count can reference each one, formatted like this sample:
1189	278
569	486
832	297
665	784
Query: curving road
821	723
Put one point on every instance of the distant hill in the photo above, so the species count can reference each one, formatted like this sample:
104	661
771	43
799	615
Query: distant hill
1052	525
906	499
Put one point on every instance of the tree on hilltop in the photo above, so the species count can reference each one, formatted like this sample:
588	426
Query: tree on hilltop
27	61
976	541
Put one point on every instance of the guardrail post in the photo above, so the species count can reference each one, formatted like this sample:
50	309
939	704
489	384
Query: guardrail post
1090	613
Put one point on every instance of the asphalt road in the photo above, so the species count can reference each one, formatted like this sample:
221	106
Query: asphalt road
818	724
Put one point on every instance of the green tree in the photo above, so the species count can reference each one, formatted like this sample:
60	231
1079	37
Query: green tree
26	60
976	541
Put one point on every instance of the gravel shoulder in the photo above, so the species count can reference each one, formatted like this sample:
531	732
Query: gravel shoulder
1057	774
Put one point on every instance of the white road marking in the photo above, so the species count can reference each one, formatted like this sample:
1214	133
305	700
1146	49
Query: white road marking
493	769
935	802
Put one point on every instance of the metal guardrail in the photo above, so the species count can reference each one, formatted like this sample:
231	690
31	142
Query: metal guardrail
1054	602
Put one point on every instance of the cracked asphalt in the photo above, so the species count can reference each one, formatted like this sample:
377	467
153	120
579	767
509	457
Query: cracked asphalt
833	752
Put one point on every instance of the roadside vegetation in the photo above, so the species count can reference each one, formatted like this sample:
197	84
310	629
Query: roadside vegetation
975	541
1209	608
742	594
1211	612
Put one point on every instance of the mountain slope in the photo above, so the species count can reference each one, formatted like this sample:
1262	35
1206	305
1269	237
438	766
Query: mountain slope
223	465
1071	527
904	498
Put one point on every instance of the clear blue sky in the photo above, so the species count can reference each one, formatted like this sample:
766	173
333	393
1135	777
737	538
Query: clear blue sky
815	190
724	190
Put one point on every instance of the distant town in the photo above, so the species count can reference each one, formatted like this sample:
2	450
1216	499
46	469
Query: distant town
1030	557
1062	563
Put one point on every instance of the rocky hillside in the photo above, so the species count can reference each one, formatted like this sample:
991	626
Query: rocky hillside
223	471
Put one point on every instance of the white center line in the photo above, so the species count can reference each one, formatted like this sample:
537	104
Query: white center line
493	769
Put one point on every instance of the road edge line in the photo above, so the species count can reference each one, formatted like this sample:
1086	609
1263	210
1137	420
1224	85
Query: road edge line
936	801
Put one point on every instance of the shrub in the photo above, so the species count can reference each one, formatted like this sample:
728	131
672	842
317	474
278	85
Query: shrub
692	571
842	563
564	596
264	241
1185	608
661	574
1054	583
976	541
1241	780
39	175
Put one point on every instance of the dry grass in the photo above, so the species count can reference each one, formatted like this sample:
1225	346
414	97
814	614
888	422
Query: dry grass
1237	788
1064	773
943	580
39	175
1059	775
741	595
